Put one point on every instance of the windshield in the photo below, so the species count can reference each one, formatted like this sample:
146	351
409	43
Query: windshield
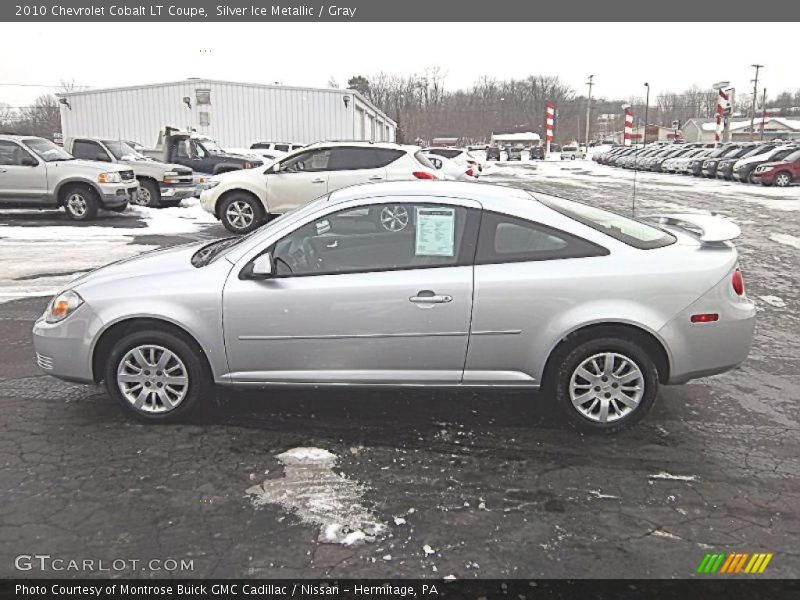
629	231
122	151
211	146
793	156
47	150
719	151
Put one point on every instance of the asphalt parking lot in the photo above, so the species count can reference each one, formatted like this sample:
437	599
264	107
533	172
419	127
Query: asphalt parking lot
468	484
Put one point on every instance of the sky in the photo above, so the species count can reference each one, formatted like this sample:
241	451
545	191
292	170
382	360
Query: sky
670	56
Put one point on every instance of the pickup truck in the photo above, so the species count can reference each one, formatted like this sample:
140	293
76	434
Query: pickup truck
198	152
35	172
160	184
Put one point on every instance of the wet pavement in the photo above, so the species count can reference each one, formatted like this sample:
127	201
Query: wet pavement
469	484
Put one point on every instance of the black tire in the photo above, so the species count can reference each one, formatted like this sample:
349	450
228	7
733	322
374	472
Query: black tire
749	177
565	365
200	382
80	202
241	213
148	194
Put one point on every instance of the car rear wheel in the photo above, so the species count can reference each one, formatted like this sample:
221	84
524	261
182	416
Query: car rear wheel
783	179
80	203
148	194
241	213
156	375
605	384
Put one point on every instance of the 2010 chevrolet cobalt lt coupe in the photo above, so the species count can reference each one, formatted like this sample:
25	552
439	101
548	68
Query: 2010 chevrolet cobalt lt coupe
420	283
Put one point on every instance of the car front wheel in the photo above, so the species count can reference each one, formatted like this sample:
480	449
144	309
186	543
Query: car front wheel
605	384
783	179
148	194
80	203
241	213
156	375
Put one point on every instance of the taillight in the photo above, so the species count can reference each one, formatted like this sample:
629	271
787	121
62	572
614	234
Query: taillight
424	175
737	282
470	173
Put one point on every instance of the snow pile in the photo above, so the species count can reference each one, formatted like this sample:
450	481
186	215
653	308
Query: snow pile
318	496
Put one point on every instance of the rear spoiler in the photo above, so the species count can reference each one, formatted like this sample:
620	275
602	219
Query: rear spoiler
708	228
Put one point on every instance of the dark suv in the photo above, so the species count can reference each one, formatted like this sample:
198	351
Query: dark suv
493	153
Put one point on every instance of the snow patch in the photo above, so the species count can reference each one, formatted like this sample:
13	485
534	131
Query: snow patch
773	301
317	495
663	475
785	239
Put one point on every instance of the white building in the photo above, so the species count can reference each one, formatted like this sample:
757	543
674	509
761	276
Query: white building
704	130
234	114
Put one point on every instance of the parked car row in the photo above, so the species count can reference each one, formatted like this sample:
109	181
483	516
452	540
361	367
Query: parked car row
769	163
514	153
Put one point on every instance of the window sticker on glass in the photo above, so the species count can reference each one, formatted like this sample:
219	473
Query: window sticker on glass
435	232
323	226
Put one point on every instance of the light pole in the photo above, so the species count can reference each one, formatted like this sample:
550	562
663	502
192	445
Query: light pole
755	97
590	83
646	110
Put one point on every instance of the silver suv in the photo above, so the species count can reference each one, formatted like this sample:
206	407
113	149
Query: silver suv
35	172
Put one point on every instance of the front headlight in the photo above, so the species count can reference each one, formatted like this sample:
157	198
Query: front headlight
112	177
62	306
210	184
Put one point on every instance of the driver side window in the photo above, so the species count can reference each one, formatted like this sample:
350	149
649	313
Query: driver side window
382	237
199	151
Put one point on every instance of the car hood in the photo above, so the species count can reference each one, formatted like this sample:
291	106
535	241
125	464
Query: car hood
94	165
237	177
164	260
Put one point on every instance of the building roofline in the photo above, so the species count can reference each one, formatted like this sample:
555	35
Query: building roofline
201	80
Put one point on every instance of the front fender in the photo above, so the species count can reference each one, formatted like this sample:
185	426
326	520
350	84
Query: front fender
71	180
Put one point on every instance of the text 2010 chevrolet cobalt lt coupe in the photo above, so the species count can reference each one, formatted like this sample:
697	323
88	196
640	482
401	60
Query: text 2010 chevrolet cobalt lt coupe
468	285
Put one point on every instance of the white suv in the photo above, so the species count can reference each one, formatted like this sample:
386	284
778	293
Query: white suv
245	199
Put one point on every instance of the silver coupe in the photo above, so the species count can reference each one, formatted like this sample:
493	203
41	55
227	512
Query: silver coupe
416	283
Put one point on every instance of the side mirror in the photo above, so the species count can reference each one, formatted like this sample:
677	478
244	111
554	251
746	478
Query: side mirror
260	267
274	168
29	161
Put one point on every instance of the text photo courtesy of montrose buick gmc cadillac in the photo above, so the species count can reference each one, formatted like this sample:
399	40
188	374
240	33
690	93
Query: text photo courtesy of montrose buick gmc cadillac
488	286
243	200
36	173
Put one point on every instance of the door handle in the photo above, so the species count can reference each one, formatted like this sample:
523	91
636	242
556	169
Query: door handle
429	297
319	180
376	178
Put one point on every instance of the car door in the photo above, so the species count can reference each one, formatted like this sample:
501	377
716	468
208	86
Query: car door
355	165
525	277
350	302
23	177
300	179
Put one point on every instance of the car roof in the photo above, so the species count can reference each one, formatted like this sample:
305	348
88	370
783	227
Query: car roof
364	143
485	193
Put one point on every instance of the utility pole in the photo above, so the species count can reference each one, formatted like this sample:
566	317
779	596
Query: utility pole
755	98
646	108
763	112
590	83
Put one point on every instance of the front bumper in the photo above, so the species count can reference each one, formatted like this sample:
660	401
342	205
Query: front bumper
118	194
177	192
64	349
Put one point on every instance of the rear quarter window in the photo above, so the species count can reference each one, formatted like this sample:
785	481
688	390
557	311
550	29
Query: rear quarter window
624	229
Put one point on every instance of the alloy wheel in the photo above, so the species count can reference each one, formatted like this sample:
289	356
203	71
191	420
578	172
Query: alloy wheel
783	180
153	379
394	218
606	387
240	214
142	196
77	204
